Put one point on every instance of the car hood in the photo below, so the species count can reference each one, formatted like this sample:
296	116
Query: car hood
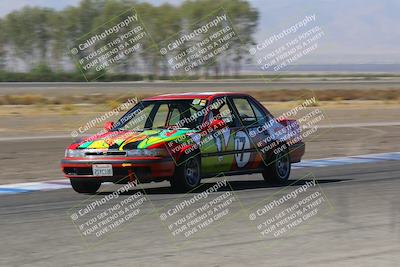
131	139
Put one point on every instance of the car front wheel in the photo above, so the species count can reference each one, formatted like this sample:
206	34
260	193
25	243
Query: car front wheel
187	175
89	186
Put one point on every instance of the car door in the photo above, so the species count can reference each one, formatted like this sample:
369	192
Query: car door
218	146
251	117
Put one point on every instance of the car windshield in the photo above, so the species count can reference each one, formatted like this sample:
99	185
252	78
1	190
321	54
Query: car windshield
163	114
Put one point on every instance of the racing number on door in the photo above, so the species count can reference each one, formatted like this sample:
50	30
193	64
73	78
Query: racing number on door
242	142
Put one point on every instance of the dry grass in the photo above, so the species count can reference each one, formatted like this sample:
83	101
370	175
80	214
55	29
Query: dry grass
327	95
272	95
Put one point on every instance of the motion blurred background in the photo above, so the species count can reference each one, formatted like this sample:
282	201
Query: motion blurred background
354	72
35	36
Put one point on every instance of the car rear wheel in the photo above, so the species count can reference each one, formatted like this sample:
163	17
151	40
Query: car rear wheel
85	185
187	174
278	170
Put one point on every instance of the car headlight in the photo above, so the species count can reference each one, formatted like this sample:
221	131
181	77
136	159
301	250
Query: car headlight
74	153
146	152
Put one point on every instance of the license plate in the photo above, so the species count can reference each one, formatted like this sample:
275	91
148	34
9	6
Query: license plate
102	170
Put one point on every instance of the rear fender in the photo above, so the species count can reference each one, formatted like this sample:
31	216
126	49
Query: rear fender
292	132
293	139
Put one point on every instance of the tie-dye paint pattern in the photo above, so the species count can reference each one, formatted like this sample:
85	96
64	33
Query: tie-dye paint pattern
121	139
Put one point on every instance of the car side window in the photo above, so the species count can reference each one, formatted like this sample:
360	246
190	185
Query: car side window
221	110
261	116
246	112
181	115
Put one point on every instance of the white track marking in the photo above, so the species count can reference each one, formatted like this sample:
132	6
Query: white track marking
312	163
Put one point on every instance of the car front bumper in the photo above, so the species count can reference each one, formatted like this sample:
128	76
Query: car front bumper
145	169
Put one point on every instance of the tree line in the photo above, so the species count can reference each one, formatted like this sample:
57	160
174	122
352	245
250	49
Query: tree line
37	40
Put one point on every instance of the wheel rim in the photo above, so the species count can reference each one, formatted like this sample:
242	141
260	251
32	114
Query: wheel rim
282	165
192	172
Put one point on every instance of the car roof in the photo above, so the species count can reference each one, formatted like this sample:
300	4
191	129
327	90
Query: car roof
193	95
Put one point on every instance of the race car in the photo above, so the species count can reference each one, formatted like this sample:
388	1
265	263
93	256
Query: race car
183	138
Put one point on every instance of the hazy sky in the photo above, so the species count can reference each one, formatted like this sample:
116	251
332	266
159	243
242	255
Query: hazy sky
358	31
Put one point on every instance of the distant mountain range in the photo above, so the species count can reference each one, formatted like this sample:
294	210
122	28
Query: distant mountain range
334	68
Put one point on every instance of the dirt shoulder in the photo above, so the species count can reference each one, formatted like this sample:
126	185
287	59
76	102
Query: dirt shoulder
20	120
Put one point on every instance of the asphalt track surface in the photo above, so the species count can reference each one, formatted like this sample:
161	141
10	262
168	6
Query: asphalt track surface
358	225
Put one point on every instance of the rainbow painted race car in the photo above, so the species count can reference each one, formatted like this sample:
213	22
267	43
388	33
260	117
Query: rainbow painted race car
183	138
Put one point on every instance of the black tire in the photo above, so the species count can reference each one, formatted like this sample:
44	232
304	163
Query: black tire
187	174
278	169
88	186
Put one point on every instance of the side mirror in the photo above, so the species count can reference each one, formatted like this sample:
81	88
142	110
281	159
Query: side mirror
108	125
